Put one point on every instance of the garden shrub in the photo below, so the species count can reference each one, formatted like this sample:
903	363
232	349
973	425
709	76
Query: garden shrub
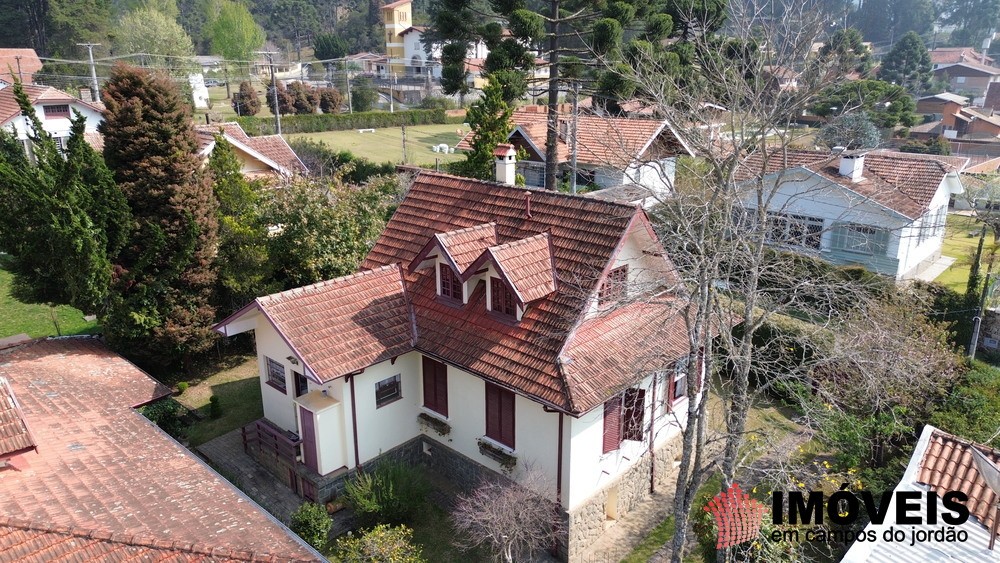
214	407
182	387
381	544
322	160
391	493
166	413
314	123
311	522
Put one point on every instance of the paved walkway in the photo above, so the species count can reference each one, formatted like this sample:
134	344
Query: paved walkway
226	455
936	269
621	537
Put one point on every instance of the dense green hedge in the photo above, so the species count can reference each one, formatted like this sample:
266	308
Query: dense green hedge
345	121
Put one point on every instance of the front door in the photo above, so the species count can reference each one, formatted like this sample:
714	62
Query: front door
308	439
301	384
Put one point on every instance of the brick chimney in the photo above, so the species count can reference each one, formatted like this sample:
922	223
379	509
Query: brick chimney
852	165
505	157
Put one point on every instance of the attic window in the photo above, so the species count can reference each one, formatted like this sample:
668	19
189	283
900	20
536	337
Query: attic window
56	112
502	298
615	287
451	286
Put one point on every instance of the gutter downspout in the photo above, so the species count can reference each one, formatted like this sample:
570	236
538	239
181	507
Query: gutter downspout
354	421
652	450
557	517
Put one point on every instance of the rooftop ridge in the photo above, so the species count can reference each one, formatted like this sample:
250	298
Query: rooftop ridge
298	291
141	540
517	242
472	228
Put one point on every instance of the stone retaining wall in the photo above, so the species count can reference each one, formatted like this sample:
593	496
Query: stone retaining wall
587	522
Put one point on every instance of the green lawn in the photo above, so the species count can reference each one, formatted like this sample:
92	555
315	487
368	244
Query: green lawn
959	243
237	385
386	145
38	320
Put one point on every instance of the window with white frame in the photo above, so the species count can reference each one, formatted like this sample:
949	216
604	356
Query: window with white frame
795	230
679	382
388	390
862	239
276	375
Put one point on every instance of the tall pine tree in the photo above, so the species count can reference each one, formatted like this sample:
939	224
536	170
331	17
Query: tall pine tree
161	298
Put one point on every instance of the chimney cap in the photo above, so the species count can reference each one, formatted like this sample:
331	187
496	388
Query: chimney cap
503	149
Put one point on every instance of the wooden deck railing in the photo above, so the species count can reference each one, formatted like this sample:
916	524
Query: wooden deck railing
265	436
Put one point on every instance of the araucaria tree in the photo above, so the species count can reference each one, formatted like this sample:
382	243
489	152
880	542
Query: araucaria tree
62	218
160	298
908	64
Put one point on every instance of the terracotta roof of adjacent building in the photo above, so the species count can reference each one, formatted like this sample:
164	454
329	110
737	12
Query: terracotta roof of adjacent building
952	55
897	181
601	140
36	94
105	472
272	147
948	465
28	64
956	69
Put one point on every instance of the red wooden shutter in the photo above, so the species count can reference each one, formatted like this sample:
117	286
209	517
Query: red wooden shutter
492	412
441	387
496	287
507	418
612	424
430	389
671	382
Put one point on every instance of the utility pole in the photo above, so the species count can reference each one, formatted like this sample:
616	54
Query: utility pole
977	321
274	89
94	94
391	92
572	162
225	70
404	143
20	77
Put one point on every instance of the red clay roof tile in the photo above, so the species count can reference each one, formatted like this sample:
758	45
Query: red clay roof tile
346	324
464	246
102	469
15	437
527	266
948	465
24	60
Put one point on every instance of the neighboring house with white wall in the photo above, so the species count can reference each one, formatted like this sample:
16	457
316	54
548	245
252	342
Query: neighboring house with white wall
883	211
490	329
54	109
611	151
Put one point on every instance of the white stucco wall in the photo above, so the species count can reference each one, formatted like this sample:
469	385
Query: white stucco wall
591	469
535	431
911	251
656	176
279	407
382	428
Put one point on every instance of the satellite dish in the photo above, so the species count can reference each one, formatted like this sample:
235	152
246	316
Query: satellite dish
991	474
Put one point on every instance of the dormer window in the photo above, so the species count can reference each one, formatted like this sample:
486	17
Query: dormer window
451	286
615	287
502	298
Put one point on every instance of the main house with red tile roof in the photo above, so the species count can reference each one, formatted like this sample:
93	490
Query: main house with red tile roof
490	329
940	463
85	477
882	210
611	151
54	109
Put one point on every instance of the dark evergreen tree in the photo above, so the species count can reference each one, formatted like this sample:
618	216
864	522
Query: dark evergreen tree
489	119
889	20
160	306
62	219
330	100
246	101
284	99
242	261
908	64
329	46
305	98
847	50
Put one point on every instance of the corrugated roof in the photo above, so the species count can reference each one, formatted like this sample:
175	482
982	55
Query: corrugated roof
346	324
104	469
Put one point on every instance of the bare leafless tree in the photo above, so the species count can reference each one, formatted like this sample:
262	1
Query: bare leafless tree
511	520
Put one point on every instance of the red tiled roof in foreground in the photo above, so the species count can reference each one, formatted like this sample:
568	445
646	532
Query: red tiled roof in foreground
896	181
105	471
948	465
464	246
584	235
15	437
346	324
28	542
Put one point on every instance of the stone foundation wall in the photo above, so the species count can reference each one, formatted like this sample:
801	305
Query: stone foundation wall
587	522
